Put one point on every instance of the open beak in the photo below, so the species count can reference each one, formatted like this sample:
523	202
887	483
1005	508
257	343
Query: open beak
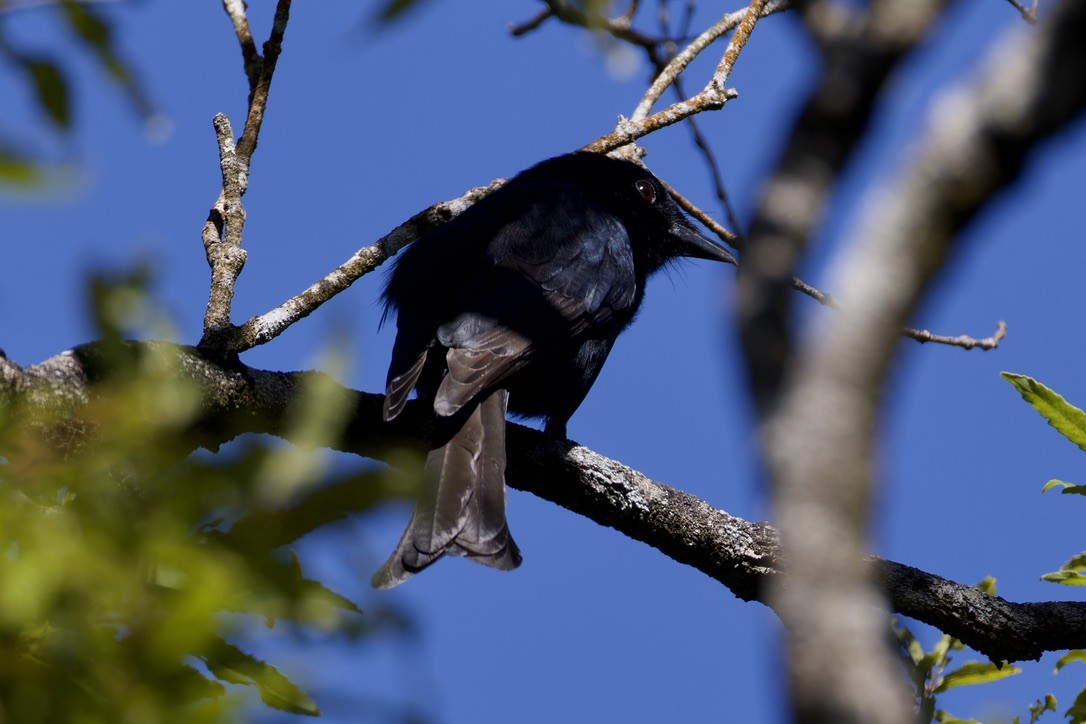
692	243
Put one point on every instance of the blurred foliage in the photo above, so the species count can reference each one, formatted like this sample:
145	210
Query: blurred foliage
43	72
129	564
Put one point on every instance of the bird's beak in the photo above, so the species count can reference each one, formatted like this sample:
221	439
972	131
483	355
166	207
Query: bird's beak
691	242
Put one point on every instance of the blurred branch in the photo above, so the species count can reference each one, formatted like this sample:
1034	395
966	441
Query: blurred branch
820	408
9	6
223	229
820	481
1028	14
740	554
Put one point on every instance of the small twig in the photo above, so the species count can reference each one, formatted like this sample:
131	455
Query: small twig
686	56
828	300
711	98
715	175
236	10
519	29
259	101
1028	14
712	224
627	131
737	43
923	335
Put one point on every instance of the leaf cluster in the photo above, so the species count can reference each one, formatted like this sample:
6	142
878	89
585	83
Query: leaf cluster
131	565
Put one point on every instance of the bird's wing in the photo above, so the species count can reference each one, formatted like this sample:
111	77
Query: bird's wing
408	360
558	270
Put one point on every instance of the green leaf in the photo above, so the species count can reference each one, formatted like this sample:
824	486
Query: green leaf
266	530
909	645
1066	488
1073	655
975	672
51	89
988	585
230	664
1039	707
1077	712
1065	578
18	169
1067	419
94	31
1071	573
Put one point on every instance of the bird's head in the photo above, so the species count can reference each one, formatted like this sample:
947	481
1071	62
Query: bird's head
659	231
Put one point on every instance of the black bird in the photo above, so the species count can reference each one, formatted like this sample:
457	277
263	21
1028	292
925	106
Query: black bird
515	304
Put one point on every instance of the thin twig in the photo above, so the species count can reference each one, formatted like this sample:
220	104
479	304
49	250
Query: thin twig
828	300
715	175
236	10
519	29
712	224
686	56
272	48
1028	14
711	98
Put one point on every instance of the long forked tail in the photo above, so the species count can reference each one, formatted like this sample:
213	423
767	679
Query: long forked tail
466	515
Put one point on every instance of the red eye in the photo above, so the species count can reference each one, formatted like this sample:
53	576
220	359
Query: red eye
647	191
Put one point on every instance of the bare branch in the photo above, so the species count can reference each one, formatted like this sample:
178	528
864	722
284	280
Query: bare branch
711	98
259	99
519	29
678	64
266	327
236	10
225	224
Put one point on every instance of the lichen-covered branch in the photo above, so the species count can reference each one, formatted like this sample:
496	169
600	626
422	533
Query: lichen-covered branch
225	224
266	327
740	554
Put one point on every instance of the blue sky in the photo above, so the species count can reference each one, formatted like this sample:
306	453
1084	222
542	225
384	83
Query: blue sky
366	127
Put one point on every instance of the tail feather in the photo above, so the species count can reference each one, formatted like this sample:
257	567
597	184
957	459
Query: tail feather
466	516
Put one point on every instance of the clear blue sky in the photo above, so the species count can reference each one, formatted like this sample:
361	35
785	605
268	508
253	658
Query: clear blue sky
365	128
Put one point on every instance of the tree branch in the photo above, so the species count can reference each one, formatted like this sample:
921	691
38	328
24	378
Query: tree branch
740	554
821	429
223	229
820	478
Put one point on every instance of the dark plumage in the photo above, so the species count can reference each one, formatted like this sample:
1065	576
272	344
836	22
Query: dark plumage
515	304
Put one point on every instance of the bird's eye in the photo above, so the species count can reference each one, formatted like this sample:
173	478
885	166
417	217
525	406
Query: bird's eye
647	191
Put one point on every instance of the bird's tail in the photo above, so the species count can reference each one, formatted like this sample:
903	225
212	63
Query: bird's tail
466	515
